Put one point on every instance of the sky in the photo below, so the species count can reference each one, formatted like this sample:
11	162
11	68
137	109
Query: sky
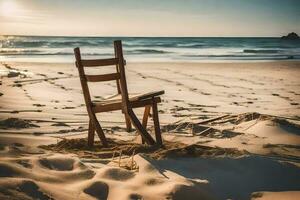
196	18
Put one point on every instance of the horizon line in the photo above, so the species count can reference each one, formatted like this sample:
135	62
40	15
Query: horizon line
95	36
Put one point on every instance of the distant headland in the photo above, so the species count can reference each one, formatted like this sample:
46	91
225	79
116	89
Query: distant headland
291	36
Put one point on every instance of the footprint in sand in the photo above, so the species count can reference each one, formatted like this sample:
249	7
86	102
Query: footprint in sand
68	107
118	174
38	105
7	170
98	189
24	163
153	181
32	190
135	196
58	164
294	104
17	85
23	189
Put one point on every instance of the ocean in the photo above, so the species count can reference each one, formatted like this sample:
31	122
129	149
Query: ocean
149	49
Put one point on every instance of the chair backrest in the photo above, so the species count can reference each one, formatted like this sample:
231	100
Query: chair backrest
119	76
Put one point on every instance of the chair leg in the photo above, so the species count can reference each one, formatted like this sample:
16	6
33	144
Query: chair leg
128	123
139	127
99	130
91	134
145	119
156	123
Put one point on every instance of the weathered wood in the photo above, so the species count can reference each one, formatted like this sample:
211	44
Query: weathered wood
125	104
87	99
118	71
128	122
139	127
156	123
103	77
127	118
123	83
145	118
99	130
91	134
150	95
142	103
117	105
212	119
99	62
204	131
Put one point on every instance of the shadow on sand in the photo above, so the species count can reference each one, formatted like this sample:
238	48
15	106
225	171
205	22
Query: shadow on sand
236	178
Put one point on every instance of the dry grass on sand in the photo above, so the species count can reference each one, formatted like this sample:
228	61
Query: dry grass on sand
117	147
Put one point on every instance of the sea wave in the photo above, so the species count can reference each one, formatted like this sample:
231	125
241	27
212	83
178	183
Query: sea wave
243	56
18	51
29	52
51	44
23	44
191	45
151	47
261	51
148	51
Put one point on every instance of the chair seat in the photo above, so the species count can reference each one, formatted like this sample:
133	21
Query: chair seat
136	100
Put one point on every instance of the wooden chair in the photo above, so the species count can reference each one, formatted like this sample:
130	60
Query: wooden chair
124	103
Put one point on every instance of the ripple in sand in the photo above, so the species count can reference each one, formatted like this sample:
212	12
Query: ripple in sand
16	123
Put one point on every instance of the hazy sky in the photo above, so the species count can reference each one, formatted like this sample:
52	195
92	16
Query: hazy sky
150	17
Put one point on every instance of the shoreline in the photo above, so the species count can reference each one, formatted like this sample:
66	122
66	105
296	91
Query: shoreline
167	62
295	63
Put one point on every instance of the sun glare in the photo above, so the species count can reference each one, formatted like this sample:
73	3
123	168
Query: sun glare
9	8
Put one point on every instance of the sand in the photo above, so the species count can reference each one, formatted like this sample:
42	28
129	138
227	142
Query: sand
231	131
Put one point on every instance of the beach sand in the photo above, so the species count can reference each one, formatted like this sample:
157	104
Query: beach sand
251	150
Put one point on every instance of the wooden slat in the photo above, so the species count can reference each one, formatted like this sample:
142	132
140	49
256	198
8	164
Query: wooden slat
123	83
117	105
150	95
98	107
145	119
103	77
137	104
99	62
156	124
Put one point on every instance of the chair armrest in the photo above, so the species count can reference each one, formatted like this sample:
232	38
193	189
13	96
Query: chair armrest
150	95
